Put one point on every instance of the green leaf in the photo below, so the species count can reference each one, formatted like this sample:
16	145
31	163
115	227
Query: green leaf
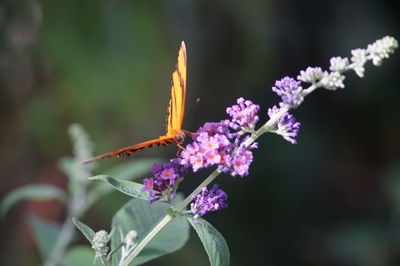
46	234
127	187
80	256
140	216
86	230
132	170
34	192
213	242
125	171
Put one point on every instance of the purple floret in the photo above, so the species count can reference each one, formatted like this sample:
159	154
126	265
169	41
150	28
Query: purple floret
244	115
289	90
208	200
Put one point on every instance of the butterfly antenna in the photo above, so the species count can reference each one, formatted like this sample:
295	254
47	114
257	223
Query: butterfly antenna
193	109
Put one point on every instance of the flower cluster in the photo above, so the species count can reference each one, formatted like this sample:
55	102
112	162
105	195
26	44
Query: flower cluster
332	80
208	200
286	126
217	144
166	177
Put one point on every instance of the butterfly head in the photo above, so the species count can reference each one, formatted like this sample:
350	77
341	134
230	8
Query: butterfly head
180	137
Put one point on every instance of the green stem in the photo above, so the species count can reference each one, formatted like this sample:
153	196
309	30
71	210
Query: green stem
76	207
206	182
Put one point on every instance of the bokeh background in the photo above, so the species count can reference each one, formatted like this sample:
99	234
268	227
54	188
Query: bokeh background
332	199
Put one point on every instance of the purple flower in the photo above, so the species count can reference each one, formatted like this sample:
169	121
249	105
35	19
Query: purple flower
197	162
286	126
212	157
244	115
208	200
148	186
216	144
289	90
241	160
215	128
165	177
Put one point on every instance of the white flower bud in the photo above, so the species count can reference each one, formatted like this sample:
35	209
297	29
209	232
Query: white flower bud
130	238
310	75
339	64
99	244
381	49
359	58
333	80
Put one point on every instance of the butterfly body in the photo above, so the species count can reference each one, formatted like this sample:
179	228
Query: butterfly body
176	109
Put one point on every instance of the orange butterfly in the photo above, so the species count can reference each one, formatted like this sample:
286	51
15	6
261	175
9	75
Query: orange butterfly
176	110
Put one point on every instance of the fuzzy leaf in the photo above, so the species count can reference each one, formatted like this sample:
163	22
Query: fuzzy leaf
45	233
33	192
86	230
124	171
140	216
127	187
213	242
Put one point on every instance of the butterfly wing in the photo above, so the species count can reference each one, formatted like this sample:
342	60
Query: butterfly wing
175	112
176	107
127	151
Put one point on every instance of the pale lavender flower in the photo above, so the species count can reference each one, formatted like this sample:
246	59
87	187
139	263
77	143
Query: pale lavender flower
289	90
244	115
208	200
286	126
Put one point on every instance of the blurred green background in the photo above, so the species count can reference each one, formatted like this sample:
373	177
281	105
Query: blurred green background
332	199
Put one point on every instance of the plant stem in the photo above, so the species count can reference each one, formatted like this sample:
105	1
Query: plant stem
63	240
75	208
205	183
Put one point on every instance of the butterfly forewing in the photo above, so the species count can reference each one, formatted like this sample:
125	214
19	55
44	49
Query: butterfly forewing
175	113
178	93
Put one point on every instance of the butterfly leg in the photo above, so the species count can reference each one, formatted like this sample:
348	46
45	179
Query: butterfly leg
181	148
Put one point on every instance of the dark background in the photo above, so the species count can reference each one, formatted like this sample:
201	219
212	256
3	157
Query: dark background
332	199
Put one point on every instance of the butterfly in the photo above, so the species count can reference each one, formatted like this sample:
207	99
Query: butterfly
176	111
